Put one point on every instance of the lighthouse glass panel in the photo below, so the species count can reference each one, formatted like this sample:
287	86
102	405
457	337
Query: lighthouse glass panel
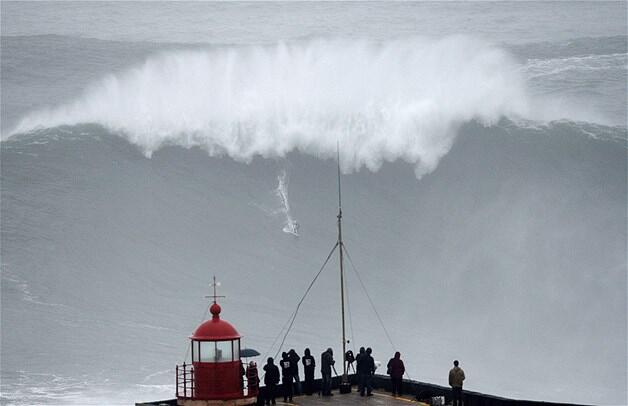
196	351
224	351
208	351
236	350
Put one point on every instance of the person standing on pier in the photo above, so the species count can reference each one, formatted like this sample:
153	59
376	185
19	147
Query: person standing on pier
251	378
327	361
308	367
369	365
286	376
294	364
456	376
359	365
396	369
271	379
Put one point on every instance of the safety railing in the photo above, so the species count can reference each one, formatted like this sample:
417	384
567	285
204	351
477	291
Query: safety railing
185	381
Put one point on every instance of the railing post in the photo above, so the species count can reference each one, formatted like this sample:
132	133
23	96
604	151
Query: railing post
192	384
177	369
185	389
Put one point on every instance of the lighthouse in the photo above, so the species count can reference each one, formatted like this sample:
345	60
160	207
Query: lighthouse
216	375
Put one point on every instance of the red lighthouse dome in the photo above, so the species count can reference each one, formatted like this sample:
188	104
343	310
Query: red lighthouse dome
216	374
215	328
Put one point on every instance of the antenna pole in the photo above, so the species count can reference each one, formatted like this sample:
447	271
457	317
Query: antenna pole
339	193
342	279
214	286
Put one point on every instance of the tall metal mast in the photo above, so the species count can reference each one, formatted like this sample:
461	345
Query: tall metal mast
345	377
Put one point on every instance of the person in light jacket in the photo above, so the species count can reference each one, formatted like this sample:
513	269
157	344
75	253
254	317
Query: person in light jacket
456	376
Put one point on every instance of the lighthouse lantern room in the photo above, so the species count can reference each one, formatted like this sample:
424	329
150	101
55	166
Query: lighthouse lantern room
216	374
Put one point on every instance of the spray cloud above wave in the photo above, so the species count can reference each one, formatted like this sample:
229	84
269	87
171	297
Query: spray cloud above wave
402	99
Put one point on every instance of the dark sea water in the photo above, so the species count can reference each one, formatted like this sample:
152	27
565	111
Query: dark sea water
148	147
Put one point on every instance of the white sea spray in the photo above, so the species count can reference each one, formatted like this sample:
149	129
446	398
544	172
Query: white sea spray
400	99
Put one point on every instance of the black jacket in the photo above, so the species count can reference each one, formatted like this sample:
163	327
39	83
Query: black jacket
286	368
366	364
327	360
312	363
369	364
359	361
271	376
294	362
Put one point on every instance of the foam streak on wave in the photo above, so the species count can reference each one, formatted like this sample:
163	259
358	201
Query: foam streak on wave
401	99
290	226
545	67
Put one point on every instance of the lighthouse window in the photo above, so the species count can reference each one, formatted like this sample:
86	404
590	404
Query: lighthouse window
236	350
196	351
224	351
208	351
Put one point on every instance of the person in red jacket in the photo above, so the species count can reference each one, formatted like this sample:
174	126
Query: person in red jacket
396	370
252	379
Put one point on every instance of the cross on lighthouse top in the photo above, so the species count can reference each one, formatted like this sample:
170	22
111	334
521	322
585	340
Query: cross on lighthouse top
214	284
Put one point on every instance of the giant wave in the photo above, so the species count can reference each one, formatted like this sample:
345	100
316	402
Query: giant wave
402	99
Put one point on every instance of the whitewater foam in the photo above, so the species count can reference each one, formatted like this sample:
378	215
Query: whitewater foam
546	67
402	99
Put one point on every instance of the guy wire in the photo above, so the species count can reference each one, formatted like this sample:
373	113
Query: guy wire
372	304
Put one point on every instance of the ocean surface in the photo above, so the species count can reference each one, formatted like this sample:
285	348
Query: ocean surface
147	147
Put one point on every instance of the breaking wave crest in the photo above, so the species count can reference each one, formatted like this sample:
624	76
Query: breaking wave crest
403	99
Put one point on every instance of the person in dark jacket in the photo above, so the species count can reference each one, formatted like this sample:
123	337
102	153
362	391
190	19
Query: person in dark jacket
360	354
294	364
308	367
327	361
286	376
368	371
396	369
359	365
271	379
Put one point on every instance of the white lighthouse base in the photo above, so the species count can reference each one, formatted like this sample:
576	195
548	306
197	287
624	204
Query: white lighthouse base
232	402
